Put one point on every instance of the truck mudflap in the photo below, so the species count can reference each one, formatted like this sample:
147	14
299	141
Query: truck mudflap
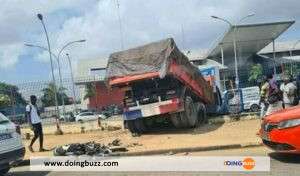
152	109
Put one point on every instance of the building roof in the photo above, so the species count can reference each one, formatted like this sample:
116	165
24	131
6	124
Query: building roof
281	47
250	38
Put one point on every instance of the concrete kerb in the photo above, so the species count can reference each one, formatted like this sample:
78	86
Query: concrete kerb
189	149
176	150
228	118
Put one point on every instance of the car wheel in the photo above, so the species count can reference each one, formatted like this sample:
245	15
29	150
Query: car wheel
254	108
80	121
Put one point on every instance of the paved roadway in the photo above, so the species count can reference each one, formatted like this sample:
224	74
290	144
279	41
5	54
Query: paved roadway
281	164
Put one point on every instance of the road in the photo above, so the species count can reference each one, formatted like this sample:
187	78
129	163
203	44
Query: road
281	164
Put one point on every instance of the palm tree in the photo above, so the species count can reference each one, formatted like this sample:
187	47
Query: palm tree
256	72
48	99
90	91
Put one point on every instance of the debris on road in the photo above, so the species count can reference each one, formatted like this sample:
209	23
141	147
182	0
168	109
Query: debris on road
89	148
116	142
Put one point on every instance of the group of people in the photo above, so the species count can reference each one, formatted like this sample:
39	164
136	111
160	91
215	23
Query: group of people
274	97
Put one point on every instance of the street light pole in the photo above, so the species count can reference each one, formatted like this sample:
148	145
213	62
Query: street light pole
59	70
73	83
234	43
40	17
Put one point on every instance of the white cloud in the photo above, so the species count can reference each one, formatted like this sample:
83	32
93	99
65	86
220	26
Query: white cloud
9	55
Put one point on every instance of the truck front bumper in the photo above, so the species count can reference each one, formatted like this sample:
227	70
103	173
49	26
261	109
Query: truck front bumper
153	109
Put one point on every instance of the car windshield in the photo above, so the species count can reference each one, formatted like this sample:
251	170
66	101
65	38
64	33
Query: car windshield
3	119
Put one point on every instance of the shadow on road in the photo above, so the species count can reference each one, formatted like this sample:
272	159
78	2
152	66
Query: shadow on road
285	157
168	128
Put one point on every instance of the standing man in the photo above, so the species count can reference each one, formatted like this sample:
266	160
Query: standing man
264	92
35	124
274	96
289	91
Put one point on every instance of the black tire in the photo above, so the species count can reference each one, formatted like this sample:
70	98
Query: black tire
140	126
189	115
131	126
176	120
4	171
254	108
201	113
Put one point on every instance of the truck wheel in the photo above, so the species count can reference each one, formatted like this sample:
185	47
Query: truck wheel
176	120
189	116
201	113
140	126
131	126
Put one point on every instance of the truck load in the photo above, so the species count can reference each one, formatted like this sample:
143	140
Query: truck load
159	80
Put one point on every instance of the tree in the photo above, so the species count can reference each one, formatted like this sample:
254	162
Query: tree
10	93
255	72
4	100
48	98
90	91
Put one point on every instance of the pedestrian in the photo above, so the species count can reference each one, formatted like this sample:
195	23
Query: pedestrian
289	90
264	92
34	120
274	96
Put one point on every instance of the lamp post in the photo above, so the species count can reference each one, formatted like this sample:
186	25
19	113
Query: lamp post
58	129
40	17
59	68
73	84
234	43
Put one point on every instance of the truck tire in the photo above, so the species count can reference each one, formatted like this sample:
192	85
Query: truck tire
201	113
140	126
176	120
188	116
131	126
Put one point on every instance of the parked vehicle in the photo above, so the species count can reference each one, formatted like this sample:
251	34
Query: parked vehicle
248	102
12	149
86	116
68	117
159	79
280	131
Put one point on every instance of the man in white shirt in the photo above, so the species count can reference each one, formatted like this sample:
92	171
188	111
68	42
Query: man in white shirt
35	124
289	90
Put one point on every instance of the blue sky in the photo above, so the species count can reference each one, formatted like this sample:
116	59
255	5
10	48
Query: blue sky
97	22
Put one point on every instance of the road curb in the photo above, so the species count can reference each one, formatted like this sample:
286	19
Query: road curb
190	149
176	150
228	118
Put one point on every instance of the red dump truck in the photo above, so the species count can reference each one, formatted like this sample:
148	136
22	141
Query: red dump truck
159	80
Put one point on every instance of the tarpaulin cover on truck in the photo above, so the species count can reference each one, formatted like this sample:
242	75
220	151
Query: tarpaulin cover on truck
153	58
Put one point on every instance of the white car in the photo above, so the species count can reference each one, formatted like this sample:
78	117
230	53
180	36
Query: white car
11	148
86	116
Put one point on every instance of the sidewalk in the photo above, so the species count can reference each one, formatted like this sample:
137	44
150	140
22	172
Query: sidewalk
211	135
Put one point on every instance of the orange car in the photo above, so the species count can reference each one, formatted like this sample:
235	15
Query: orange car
280	131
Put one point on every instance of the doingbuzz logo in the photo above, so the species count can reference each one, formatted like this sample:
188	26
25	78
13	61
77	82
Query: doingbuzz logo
247	163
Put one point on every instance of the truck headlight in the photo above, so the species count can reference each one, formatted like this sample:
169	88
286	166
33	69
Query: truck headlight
289	123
